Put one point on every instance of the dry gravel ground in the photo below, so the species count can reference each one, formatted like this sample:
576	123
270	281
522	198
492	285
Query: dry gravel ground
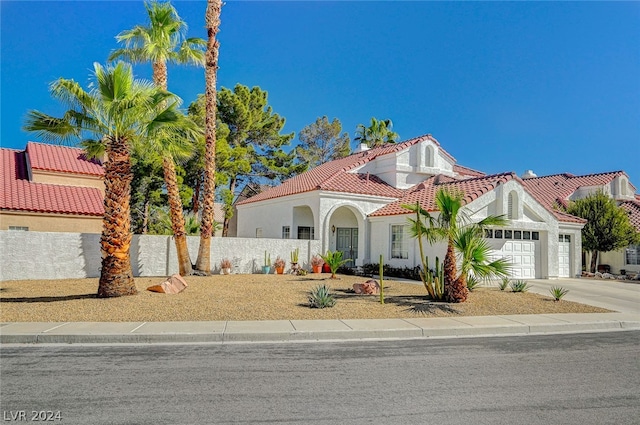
253	297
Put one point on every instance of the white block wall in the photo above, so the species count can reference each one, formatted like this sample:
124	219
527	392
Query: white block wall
45	255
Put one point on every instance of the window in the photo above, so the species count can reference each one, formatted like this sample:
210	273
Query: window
632	255
498	234
258	232
526	235
508	234
567	238
23	228
517	234
306	232
286	232
511	205
535	236
488	233
399	242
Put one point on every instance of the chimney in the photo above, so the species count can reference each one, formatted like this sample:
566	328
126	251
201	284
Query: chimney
529	174
363	147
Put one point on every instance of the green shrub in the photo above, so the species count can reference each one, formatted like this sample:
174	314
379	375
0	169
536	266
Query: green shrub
505	282
519	286
321	297
557	292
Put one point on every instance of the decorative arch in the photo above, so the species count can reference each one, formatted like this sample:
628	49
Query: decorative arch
329	237
513	205
429	156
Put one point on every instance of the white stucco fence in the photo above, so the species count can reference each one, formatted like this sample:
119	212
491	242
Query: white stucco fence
48	255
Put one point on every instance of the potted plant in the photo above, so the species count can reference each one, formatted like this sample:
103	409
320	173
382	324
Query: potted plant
266	268
279	265
225	265
316	264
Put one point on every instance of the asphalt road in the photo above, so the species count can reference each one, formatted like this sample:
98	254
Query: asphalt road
555	379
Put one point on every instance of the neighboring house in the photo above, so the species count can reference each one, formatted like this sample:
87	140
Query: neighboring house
354	205
249	190
557	190
50	188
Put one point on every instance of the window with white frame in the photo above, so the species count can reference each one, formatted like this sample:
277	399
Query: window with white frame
399	242
632	255
286	232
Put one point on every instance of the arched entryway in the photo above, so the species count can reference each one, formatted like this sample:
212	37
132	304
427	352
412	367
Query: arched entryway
346	233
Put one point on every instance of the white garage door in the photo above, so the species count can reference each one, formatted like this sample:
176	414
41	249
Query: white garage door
522	256
564	269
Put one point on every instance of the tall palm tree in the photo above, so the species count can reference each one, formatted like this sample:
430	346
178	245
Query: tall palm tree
377	134
115	113
161	42
212	20
474	253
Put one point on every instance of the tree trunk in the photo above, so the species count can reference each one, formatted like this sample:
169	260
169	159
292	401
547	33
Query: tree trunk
454	290
116	278
177	218
594	261
212	20
145	216
160	74
227	218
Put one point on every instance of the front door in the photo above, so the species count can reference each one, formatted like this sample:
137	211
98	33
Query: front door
347	242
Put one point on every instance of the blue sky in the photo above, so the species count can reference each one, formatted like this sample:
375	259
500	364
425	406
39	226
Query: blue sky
503	86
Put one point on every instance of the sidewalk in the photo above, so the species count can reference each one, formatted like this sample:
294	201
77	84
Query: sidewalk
311	330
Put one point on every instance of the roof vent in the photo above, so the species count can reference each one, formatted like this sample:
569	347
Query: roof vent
363	147
529	174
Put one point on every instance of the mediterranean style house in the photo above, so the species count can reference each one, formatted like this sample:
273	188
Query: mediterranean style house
354	205
49	188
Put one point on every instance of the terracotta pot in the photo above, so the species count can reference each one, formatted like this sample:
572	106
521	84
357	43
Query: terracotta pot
280	270
317	269
326	268
226	270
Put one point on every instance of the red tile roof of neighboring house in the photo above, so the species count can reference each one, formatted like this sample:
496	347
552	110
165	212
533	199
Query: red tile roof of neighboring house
335	176
62	159
17	193
556	189
467	172
633	209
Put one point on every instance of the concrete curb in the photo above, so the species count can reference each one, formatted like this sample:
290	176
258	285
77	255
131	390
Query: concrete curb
311	330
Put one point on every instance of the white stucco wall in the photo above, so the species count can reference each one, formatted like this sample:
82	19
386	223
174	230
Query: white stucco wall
48	255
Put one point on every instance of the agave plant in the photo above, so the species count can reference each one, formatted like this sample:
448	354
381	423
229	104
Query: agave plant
557	292
519	286
504	283
321	297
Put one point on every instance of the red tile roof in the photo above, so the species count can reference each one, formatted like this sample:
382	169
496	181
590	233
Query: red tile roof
17	193
61	159
633	209
335	176
556	189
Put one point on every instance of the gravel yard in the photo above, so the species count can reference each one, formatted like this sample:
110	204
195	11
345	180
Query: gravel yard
253	297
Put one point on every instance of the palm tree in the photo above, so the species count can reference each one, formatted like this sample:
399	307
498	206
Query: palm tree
463	238
117	112
161	42
212	19
377	134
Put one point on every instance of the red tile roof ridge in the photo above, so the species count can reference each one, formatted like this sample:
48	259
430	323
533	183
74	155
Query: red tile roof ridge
65	159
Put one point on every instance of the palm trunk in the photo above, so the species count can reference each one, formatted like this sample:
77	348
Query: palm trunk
212	18
177	218
455	289
116	277
227	216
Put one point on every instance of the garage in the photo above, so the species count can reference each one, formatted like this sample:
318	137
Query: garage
520	248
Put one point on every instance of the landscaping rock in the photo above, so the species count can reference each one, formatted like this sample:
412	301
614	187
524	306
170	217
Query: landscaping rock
370	287
174	285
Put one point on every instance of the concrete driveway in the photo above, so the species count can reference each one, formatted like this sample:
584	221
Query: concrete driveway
613	295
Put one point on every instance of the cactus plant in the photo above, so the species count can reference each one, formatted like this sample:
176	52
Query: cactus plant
294	256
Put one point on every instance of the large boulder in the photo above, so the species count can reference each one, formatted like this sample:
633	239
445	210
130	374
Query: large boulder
173	285
370	287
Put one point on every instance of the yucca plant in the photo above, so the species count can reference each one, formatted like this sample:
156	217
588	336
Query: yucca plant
321	297
519	286
557	292
504	283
